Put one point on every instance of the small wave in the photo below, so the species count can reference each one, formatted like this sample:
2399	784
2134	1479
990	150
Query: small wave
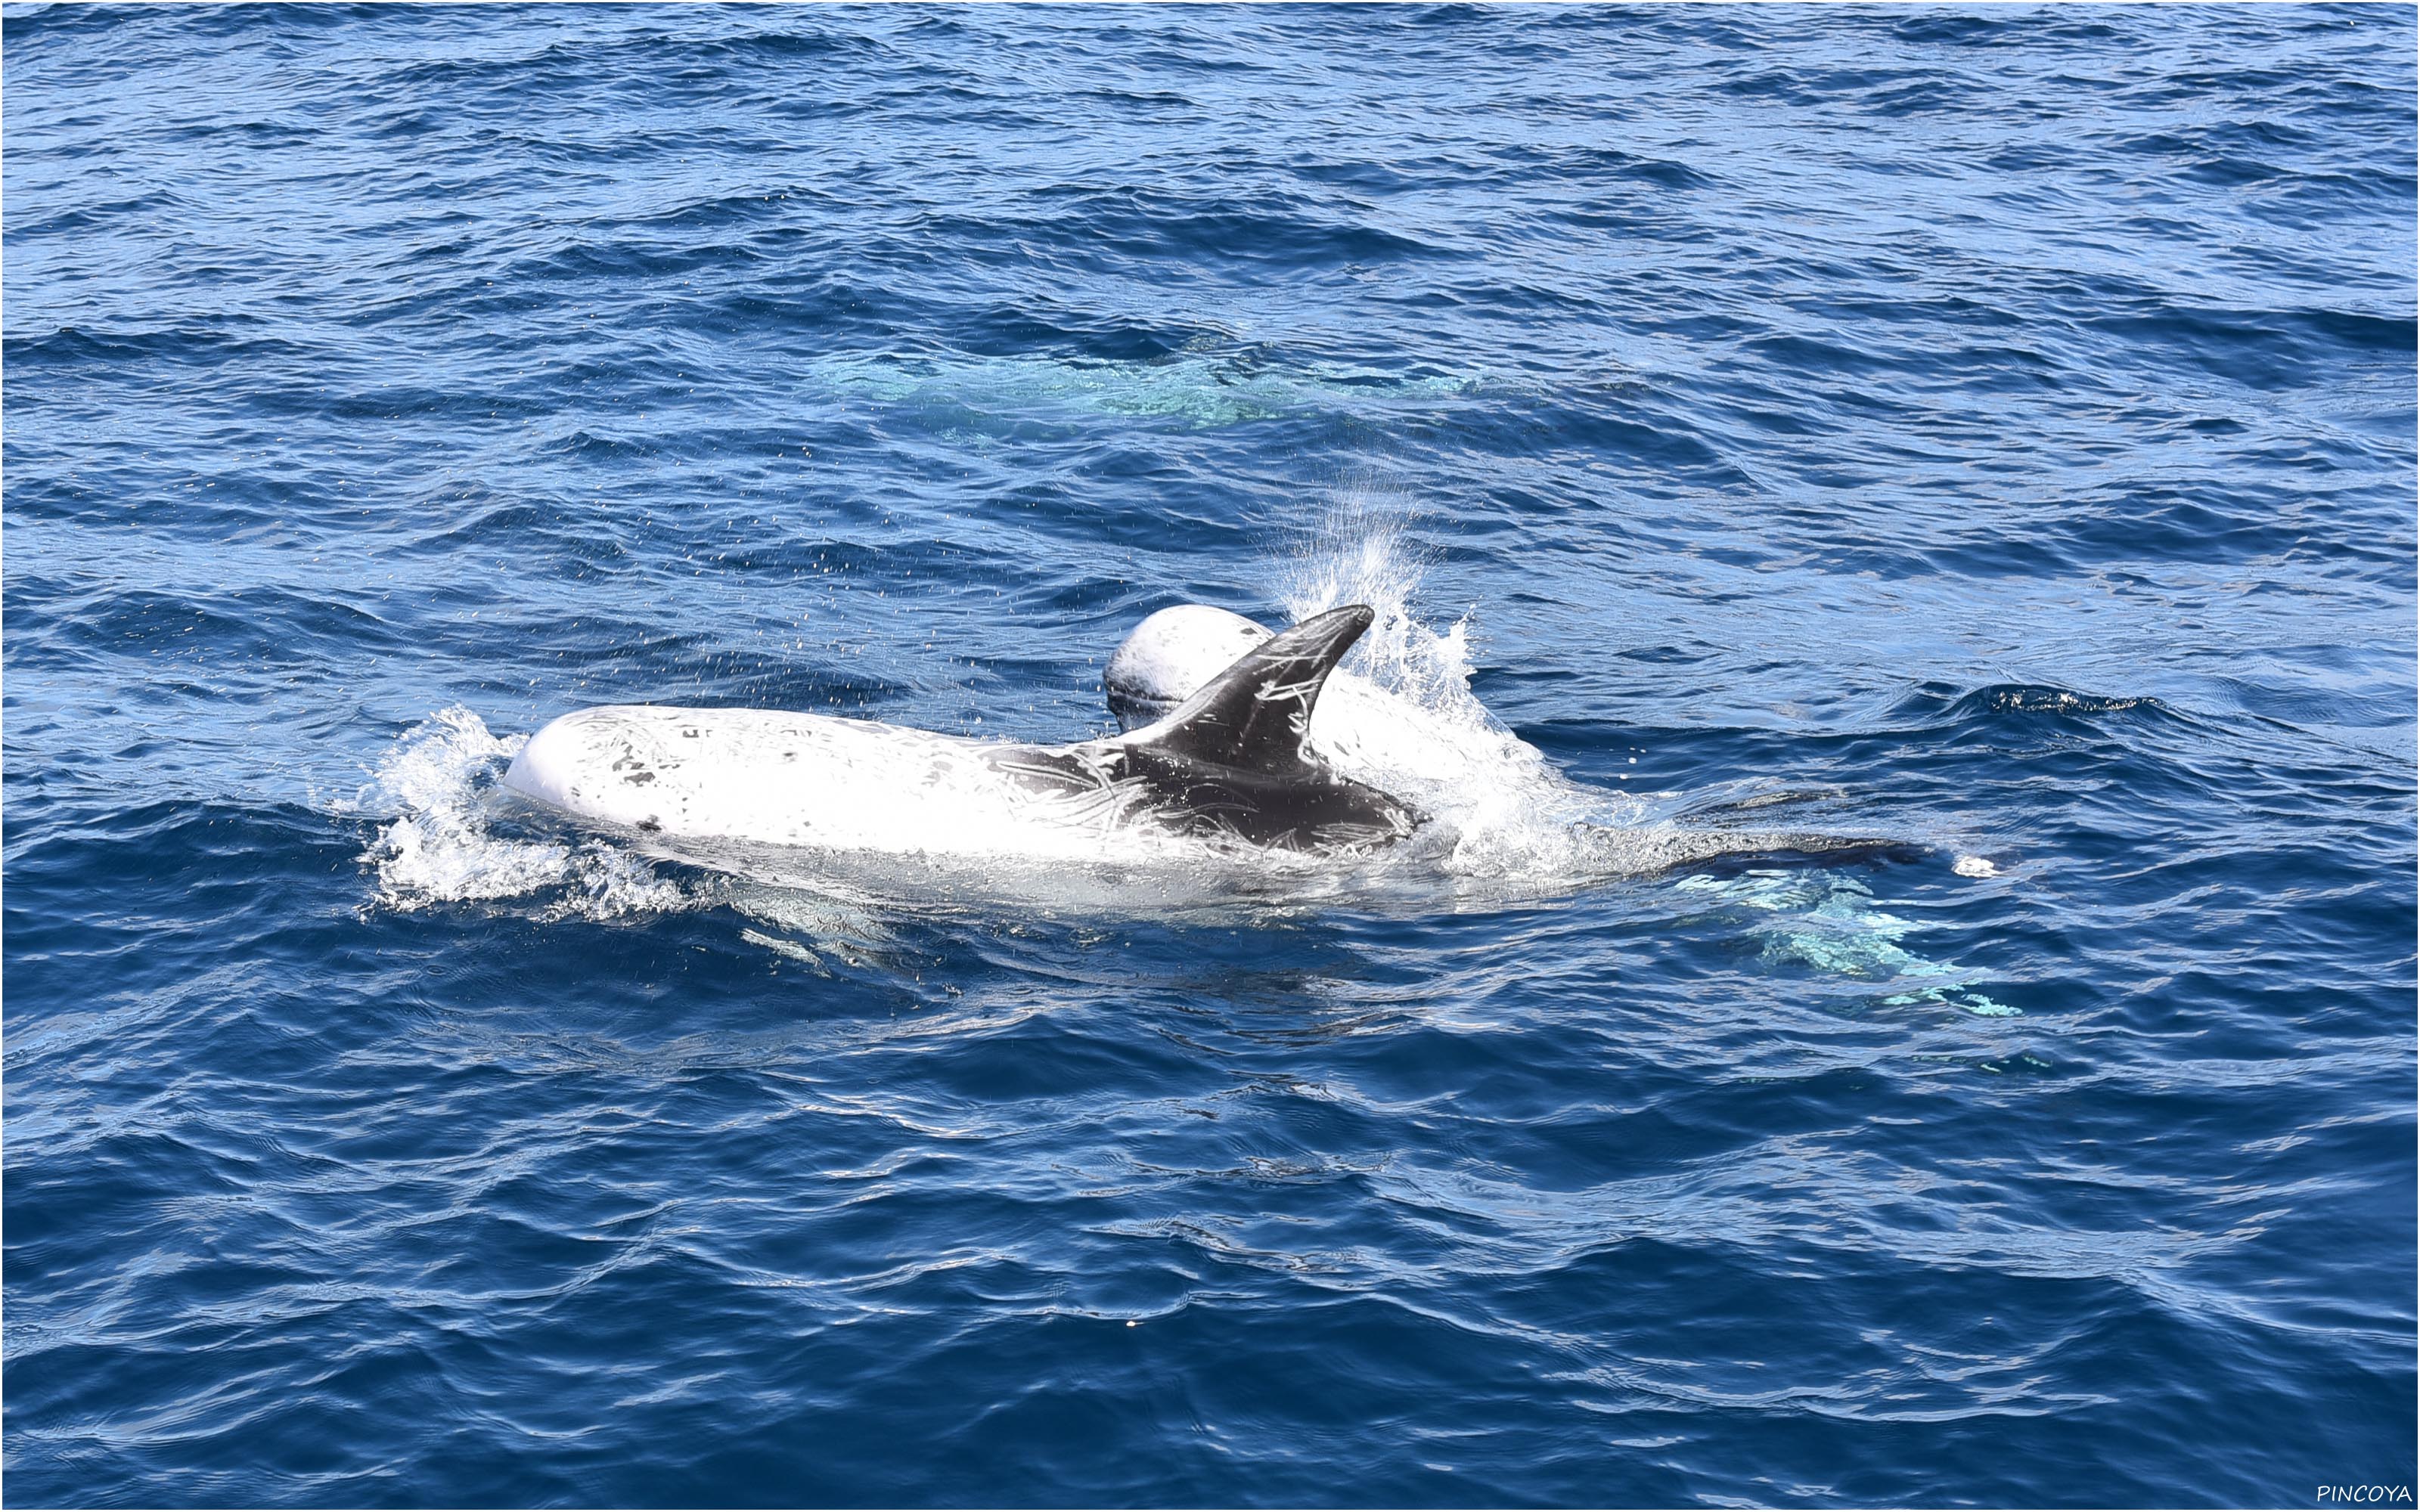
73	346
1946	702
2025	698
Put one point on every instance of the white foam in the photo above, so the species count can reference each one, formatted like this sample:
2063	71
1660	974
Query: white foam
439	846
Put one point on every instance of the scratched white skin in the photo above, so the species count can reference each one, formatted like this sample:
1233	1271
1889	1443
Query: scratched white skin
1226	768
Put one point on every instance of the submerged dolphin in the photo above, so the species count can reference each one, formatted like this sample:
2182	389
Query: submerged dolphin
1228	763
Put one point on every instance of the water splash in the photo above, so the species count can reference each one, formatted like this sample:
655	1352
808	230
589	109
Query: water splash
439	847
1400	715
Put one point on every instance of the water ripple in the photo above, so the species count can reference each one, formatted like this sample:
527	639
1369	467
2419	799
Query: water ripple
1907	516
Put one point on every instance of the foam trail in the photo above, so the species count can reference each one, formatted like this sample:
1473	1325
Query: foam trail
438	847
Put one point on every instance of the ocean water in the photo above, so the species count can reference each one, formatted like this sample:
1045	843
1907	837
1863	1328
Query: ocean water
1986	436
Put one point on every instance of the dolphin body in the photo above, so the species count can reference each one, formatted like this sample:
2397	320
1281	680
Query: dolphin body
1226	765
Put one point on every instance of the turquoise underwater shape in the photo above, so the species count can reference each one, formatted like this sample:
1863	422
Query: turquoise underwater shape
1829	922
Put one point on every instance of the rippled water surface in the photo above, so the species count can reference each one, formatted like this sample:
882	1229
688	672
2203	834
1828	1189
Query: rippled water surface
1986	436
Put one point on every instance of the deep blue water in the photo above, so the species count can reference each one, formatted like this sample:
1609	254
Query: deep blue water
1989	432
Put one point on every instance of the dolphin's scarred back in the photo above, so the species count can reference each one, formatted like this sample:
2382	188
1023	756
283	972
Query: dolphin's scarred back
1228	765
1254	715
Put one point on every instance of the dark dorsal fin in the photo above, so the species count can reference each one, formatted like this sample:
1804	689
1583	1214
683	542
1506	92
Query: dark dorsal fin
1253	715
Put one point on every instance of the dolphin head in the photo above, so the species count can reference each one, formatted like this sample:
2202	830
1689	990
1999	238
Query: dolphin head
1171	656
